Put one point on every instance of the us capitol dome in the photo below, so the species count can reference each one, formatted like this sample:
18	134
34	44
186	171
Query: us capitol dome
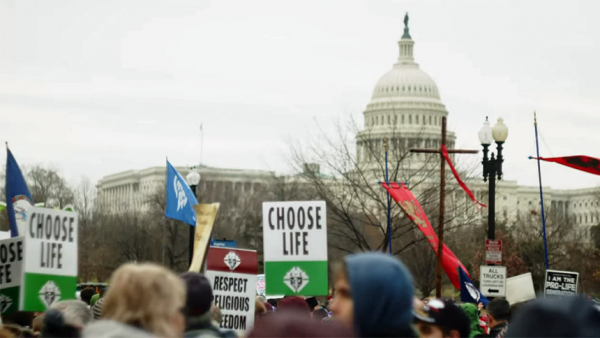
405	109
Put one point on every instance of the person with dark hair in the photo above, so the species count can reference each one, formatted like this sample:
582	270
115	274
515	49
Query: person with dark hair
569	316
312	303
374	296
498	311
273	303
198	308
319	314
442	318
56	326
95	298
86	295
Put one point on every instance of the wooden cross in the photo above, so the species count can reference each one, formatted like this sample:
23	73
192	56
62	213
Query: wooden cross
438	282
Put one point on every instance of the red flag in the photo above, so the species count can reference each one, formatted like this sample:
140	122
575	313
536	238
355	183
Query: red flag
580	162
408	202
460	182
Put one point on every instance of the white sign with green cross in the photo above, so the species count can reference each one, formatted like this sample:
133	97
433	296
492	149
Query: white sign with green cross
11	267
295	248
50	267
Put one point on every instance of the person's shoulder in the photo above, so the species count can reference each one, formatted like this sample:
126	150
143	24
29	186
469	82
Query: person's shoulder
202	333
110	328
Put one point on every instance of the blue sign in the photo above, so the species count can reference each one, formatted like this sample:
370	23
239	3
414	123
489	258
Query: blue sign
224	244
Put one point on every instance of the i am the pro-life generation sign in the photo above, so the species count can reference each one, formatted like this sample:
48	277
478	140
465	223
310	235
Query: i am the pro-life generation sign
295	248
50	266
560	283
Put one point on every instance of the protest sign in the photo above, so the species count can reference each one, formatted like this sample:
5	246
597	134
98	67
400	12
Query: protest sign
560	283
50	266
205	221
232	275
260	285
520	288
11	273
295	248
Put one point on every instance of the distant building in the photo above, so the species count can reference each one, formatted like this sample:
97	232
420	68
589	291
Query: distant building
130	190
406	109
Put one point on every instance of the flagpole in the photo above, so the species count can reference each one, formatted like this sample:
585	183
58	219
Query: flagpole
537	147
165	225
201	142
387	181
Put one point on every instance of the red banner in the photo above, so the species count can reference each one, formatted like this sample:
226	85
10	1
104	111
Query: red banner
460	182
580	162
408	202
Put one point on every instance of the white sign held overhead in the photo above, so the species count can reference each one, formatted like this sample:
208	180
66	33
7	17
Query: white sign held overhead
519	288
492	281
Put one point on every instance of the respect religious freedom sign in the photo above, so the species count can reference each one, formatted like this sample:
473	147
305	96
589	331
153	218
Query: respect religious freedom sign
50	266
295	248
232	275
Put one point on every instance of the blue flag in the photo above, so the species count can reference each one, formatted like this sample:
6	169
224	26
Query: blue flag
180	198
468	292
18	197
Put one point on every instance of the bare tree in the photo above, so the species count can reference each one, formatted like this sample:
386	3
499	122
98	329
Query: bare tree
48	187
356	203
172	234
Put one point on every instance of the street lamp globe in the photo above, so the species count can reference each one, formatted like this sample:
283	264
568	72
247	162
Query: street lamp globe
193	177
485	134
500	131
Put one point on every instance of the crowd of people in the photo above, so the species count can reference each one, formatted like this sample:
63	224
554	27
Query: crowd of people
373	297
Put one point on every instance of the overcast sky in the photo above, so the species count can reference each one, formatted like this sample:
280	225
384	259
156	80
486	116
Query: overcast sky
98	87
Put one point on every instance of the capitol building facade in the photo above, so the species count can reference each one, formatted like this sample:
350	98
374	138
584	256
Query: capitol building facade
405	111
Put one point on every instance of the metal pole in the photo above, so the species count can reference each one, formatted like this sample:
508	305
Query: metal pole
387	181
492	199
438	282
164	247
537	147
192	233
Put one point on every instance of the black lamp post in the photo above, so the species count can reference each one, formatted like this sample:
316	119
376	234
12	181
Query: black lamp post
492	166
192	178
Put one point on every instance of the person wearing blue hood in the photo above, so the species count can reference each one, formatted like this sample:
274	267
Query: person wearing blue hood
374	296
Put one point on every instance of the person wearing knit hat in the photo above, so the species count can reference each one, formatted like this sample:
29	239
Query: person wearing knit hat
294	304
288	324
374	296
567	316
198	308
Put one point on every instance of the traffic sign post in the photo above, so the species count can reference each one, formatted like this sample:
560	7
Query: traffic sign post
492	281
493	252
